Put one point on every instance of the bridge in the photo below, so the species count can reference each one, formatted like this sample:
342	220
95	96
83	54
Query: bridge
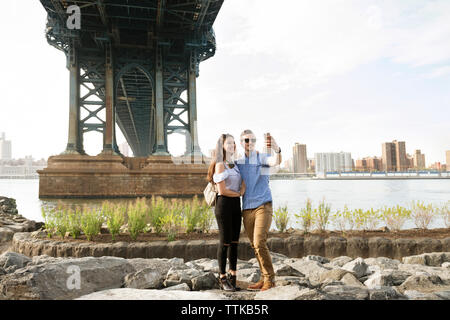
134	63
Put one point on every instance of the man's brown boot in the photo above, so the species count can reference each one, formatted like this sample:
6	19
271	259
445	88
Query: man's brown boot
268	284
256	286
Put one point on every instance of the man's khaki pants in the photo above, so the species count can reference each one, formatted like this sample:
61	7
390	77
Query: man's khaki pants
257	224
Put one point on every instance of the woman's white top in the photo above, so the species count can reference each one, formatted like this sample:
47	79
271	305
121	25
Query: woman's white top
232	177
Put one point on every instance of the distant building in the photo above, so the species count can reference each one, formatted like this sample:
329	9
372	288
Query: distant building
311	165
5	148
287	165
409	161
438	166
333	161
447	158
419	160
394	156
369	164
299	159
22	167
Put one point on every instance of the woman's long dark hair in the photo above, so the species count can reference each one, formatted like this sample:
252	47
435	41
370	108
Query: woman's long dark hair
220	154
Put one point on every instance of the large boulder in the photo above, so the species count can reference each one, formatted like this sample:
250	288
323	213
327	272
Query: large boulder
281	269
424	283
311	269
358	267
387	278
385	293
147	278
291	292
340	261
381	263
66	279
6	234
13	259
139	294
434	259
180	274
345	292
205	281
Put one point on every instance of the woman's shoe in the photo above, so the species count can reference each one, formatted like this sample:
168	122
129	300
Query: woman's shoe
232	279
225	284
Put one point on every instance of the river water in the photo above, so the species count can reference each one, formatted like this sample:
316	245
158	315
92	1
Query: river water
363	194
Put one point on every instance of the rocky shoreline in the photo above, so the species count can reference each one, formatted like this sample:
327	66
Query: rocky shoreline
419	277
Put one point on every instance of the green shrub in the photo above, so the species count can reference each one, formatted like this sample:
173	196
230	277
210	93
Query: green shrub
91	222
61	221
171	222
422	214
322	215
395	217
444	211
158	210
207	218
49	220
115	217
366	219
193	212
74	222
137	218
306	216
281	217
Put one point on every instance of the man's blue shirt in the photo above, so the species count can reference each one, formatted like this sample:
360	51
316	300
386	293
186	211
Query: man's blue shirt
255	172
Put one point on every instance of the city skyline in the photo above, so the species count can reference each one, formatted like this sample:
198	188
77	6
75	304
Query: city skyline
380	83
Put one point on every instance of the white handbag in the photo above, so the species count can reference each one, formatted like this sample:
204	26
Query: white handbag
210	193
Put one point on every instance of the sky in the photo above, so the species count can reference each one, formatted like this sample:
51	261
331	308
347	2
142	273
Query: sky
336	75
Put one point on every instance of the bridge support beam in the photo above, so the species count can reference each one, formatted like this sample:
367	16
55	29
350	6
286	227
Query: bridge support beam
74	142
192	100
109	144
161	146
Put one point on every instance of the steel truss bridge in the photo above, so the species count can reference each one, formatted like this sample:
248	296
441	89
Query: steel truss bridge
134	63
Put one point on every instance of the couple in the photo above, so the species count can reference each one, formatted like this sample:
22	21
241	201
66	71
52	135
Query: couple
247	177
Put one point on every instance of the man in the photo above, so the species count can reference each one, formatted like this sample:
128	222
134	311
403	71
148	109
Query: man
257	202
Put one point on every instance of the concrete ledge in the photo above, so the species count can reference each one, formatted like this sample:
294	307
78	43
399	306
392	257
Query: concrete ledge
294	247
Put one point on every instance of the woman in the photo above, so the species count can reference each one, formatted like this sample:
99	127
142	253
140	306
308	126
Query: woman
225	174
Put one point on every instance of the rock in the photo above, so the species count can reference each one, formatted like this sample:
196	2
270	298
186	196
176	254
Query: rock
385	293
416	295
193	265
205	281
289	280
417	269
444	294
42	259
381	263
286	270
180	287
160	265
387	278
340	261
446	265
39	234
139	294
207	264
357	266
175	262
334	274
144	279
245	274
311	269
290	292
350	280
6	234
434	259
422	283
347	292
319	259
241	264
183	274
65	279
15	228
277	257
9	259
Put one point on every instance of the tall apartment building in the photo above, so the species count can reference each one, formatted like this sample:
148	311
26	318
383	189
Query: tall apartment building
394	156
447	158
124	149
5	148
333	161
299	159
369	164
419	160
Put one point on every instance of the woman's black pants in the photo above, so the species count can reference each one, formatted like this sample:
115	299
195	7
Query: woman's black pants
228	215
